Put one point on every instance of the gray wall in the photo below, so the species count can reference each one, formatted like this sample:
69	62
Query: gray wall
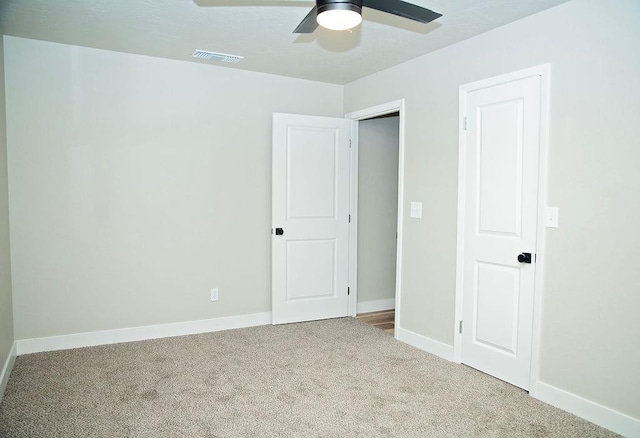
377	208
6	306
138	183
589	343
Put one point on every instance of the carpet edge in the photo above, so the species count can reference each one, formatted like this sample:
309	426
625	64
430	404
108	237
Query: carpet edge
116	336
424	343
603	416
6	369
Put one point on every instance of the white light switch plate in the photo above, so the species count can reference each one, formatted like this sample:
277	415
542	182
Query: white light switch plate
551	217
416	210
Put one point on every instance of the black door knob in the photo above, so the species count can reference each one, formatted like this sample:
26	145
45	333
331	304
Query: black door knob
525	257
279	231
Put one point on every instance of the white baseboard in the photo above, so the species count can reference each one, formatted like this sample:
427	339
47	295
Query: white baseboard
6	369
376	305
426	344
65	342
601	415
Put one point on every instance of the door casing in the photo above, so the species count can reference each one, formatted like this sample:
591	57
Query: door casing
544	71
367	113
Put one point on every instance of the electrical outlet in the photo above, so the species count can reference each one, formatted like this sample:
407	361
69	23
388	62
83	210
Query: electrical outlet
214	294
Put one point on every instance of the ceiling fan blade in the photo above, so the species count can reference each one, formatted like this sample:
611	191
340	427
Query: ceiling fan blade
403	9
309	23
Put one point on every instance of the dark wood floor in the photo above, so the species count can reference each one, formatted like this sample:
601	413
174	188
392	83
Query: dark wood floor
383	320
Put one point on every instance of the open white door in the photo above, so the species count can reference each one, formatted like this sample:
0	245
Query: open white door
310	212
502	142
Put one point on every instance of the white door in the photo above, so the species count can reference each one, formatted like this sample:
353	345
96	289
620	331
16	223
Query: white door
502	148
310	211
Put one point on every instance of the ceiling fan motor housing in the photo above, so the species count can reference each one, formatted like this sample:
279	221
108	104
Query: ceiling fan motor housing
345	14
331	5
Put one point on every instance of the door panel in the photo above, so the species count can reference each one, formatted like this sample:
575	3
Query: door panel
500	167
497	306
311	204
311	170
502	140
311	269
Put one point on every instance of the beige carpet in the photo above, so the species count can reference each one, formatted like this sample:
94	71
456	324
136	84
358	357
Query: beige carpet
336	378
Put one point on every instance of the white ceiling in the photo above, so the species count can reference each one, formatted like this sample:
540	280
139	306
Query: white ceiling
259	30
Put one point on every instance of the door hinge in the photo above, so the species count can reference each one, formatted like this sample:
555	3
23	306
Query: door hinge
460	327
464	123
349	218
349	143
348	291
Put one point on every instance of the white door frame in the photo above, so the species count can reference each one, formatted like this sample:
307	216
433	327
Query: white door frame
356	116
544	71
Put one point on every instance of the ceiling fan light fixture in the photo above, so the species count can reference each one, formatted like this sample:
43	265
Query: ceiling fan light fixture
339	16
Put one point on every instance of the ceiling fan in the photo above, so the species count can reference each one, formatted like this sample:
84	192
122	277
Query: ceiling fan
346	14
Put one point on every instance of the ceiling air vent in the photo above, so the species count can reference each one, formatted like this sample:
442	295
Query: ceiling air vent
213	56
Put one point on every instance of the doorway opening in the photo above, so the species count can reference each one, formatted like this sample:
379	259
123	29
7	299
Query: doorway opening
377	219
376	214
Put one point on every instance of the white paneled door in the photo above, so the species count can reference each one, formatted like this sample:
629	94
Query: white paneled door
501	195
310	212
